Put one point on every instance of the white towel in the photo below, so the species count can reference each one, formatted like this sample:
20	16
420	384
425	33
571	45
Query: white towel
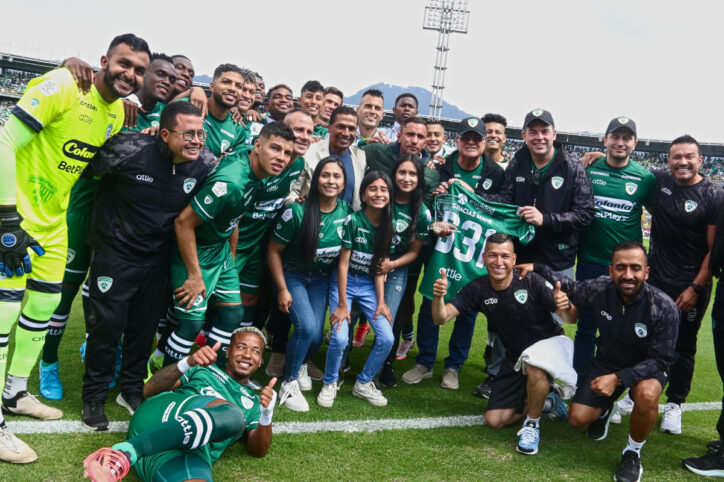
553	355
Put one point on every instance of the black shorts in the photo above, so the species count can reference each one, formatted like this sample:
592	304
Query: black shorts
509	389
586	396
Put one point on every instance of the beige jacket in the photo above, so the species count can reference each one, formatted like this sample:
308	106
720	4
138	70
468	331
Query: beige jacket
316	153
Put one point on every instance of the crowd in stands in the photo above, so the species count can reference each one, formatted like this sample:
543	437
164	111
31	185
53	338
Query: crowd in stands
14	81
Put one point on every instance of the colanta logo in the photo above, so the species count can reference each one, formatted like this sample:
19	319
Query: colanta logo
79	151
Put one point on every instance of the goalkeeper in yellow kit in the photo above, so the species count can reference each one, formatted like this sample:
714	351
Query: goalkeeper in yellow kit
53	132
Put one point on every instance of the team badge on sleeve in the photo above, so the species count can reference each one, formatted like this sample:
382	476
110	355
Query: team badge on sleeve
189	184
48	87
556	182
521	296
287	215
640	330
219	188
689	206
631	188
104	283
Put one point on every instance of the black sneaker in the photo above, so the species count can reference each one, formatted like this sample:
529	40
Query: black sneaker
483	390
130	401
387	376
630	469
598	430
94	416
715	446
709	465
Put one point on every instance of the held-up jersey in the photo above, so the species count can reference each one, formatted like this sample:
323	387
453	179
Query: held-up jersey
619	195
520	314
678	228
71	128
637	340
330	236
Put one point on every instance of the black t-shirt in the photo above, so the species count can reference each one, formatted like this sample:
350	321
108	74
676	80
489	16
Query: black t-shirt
637	340
678	229
140	194
520	314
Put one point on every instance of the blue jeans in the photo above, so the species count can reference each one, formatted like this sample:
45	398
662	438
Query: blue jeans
360	290
428	334
395	288
309	305
584	345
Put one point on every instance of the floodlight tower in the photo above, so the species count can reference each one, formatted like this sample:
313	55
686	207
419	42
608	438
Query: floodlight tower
445	16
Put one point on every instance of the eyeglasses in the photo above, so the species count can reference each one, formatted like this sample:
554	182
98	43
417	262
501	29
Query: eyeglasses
189	134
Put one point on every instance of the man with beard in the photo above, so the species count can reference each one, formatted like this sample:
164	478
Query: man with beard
279	102
405	107
637	325
52	134
333	98
158	85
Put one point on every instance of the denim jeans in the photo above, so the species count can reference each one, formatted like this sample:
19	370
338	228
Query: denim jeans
309	305
584	345
395	287
360	290
428	334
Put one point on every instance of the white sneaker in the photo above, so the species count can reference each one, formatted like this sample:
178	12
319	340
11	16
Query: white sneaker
616	417
671	422
305	382
14	450
626	405
26	404
368	391
327	395
291	397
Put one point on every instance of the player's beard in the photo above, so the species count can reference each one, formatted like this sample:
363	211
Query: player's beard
110	81
219	99
628	298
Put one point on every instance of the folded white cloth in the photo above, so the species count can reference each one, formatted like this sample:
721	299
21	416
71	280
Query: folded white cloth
553	355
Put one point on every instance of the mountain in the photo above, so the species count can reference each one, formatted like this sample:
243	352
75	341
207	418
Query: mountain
391	92
203	79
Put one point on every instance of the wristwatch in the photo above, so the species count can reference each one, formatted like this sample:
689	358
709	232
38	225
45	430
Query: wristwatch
697	288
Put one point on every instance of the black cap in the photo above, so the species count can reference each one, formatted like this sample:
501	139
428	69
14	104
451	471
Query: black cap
538	115
471	124
621	122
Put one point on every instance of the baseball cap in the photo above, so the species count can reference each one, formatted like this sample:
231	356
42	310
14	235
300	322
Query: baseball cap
621	122
538	115
471	124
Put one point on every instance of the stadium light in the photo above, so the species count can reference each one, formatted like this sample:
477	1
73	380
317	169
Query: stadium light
446	17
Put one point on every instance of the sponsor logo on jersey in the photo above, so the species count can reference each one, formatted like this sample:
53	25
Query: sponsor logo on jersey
144	178
631	188
487	183
556	182
48	87
247	402
210	392
287	215
88	105
109	131
632	178
85	118
44	189
70	256
666	191
225	145
606	315
8	240
690	205
79	151
491	301
520	179
548	285
521	296
362	260
270	205
640	330
599	182
462	198
219	188
198	300
340	231
208	200
104	283
613	204
189	184
361	239
327	255
34	102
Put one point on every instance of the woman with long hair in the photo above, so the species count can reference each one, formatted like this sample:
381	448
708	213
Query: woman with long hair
306	244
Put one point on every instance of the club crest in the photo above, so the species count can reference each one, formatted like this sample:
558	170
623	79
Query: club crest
189	184
689	206
487	183
640	330
521	296
104	283
556	182
631	188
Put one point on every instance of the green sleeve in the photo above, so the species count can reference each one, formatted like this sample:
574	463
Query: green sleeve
288	225
213	198
424	219
348	233
13	137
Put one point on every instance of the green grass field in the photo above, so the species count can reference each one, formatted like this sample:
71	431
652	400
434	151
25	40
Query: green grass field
453	453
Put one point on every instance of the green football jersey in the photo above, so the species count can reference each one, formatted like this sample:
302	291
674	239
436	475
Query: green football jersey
401	221
82	196
471	177
619	195
461	254
71	127
212	381
148	119
224	198
224	135
252	132
268	202
358	235
320	131
330	236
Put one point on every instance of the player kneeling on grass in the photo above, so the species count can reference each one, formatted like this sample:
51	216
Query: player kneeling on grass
196	412
637	327
519	311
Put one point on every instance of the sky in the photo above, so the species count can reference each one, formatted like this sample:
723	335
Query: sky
586	61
